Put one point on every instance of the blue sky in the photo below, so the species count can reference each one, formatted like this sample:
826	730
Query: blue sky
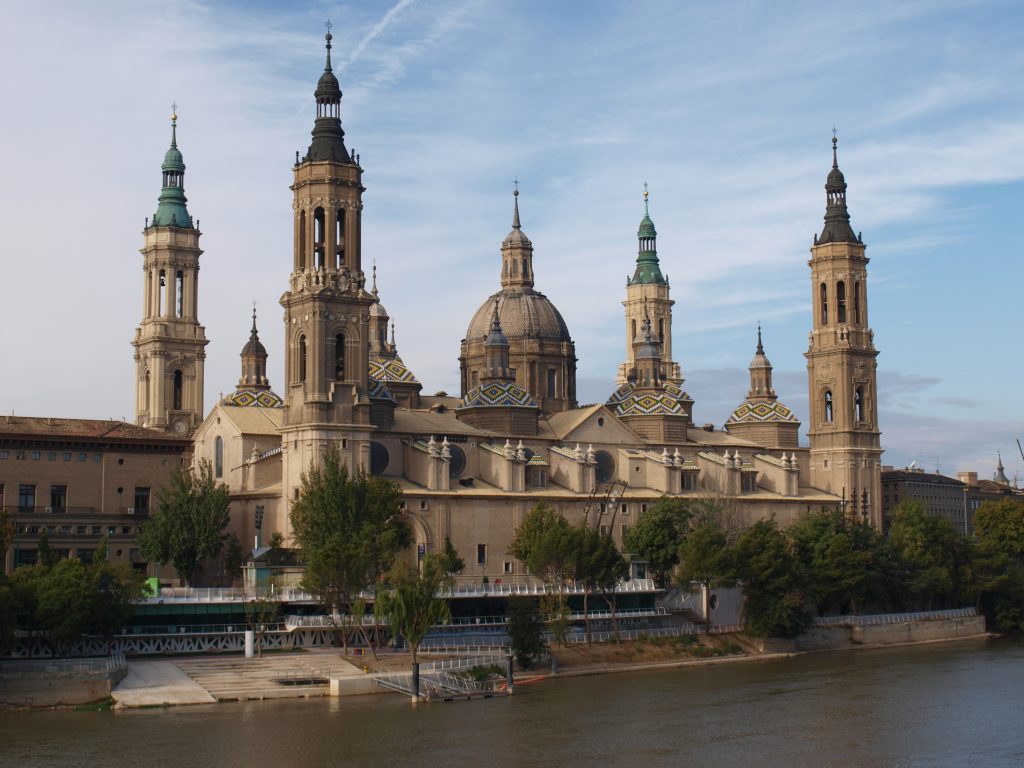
725	109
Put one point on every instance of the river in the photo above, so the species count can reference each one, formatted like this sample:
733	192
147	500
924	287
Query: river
951	704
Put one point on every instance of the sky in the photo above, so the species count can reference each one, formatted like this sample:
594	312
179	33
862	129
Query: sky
725	110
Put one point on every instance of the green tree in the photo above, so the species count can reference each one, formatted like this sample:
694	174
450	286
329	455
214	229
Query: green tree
775	598
598	567
928	554
548	544
233	557
45	554
839	558
64	602
188	525
705	558
997	563
526	630
658	534
453	562
413	600
276	540
115	588
348	531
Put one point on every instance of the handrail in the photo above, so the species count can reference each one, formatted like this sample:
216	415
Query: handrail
40	667
893	618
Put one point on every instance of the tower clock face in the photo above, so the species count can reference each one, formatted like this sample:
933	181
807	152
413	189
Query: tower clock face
180	426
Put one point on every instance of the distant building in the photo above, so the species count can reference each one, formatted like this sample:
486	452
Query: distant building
77	479
941	496
977	492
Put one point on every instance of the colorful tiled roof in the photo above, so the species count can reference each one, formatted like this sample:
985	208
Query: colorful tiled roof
391	370
749	413
379	392
669	400
498	394
260	398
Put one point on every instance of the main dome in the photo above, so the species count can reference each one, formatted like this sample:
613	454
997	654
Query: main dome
523	313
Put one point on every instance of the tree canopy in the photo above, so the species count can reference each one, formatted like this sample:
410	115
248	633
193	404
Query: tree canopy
658	534
188	526
412	601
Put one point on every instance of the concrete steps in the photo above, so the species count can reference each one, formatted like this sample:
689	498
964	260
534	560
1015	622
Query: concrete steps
240	678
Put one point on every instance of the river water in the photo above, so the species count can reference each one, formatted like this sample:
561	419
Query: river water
952	704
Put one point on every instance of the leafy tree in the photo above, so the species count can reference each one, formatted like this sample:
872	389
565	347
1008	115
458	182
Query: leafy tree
658	534
64	605
839	558
276	539
45	554
705	557
260	612
526	630
348	531
928	554
114	590
233	557
412	600
188	525
453	562
997	563
598	566
547	544
775	599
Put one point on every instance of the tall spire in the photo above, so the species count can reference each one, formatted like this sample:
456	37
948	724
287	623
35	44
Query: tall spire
1000	474
328	136
254	360
648	270
374	289
760	346
760	373
837	218
516	252
171	210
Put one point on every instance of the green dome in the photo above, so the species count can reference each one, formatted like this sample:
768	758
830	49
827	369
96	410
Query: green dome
171	208
173	161
646	227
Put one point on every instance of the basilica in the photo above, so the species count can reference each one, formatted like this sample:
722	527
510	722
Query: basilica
471	467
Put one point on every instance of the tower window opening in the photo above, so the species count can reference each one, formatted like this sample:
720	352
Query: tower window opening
302	240
824	304
526	272
551	382
318	239
145	396
339	254
515	267
661	329
339	356
856	303
218	457
633	330
828	405
302	358
176	400
841	301
179	294
858	405
160	294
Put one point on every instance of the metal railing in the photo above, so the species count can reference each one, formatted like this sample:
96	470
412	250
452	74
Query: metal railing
893	618
41	667
463	662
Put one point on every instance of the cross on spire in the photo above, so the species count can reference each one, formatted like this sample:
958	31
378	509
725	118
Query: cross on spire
174	110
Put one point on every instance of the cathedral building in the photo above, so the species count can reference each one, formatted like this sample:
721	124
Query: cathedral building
471	467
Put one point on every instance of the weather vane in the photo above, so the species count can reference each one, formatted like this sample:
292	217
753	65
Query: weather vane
515	182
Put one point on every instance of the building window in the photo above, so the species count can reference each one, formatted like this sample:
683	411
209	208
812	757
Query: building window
179	294
4	454
643	509
841	301
856	303
141	500
749	482
67	456
858	405
828	405
551	382
689	481
302	358
177	390
506	567
26	498
97	457
603	530
160	293
339	240
58	497
625	530
624	509
339	357
218	457
318	238
824	304
51	456
481	554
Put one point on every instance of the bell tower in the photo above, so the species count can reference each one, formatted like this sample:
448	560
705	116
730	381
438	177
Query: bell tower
845	455
647	297
169	342
326	308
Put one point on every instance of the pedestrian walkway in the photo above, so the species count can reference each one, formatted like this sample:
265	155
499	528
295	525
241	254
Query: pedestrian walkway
157	683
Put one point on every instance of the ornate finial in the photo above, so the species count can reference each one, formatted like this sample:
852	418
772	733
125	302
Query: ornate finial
174	125
374	289
495	320
392	334
760	348
835	141
254	315
328	37
515	214
646	193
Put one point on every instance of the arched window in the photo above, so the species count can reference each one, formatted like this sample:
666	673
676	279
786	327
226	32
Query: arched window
179	294
339	254
841	301
318	238
145	396
858	405
218	457
828	405
856	303
302	358
339	357
160	294
177	390
526	272
824	304
633	330
302	240
661	329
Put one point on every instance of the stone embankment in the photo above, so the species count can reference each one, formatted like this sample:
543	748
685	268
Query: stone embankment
861	634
